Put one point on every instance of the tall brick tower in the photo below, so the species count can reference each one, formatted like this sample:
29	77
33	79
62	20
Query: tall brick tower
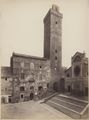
53	41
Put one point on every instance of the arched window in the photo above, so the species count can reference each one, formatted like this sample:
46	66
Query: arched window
77	70
22	64
68	75
31	66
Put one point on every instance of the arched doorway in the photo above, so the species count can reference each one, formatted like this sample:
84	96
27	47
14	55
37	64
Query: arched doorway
62	84
55	86
86	91
9	99
31	96
69	88
40	91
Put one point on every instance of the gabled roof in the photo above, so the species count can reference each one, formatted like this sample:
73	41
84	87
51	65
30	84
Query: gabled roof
78	53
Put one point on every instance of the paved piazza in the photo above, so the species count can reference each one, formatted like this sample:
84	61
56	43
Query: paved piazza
31	110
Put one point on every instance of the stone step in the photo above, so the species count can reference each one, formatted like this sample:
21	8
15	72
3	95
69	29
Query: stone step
64	109
72	100
68	104
71	107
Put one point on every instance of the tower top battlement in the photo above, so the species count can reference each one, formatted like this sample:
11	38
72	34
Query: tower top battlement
55	8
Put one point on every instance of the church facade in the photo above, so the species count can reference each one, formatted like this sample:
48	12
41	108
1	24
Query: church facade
76	77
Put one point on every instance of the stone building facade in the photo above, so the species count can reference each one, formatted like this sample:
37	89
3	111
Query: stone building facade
33	77
76	80
6	84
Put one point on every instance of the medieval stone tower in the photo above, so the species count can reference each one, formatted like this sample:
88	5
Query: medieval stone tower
53	41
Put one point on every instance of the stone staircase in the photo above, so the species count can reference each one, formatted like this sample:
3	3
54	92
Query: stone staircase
71	106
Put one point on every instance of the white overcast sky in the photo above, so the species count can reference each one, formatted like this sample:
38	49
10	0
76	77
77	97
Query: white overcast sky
22	29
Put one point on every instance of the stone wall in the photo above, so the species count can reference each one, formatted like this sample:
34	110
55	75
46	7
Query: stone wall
6	84
32	73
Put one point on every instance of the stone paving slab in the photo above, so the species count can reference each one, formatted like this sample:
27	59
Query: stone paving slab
31	110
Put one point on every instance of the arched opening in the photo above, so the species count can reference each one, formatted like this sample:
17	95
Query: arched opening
47	85
69	88
55	86
77	70
40	91
22	97
62	84
86	91
31	96
9	99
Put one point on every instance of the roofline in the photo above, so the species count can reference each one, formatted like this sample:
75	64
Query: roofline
5	66
28	56
68	68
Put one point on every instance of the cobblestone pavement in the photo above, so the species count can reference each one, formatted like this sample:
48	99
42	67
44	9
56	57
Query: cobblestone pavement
31	110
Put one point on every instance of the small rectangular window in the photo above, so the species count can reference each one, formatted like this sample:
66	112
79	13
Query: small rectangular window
47	85
55	57
22	88
6	79
55	51
68	75
56	22
5	89
40	66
